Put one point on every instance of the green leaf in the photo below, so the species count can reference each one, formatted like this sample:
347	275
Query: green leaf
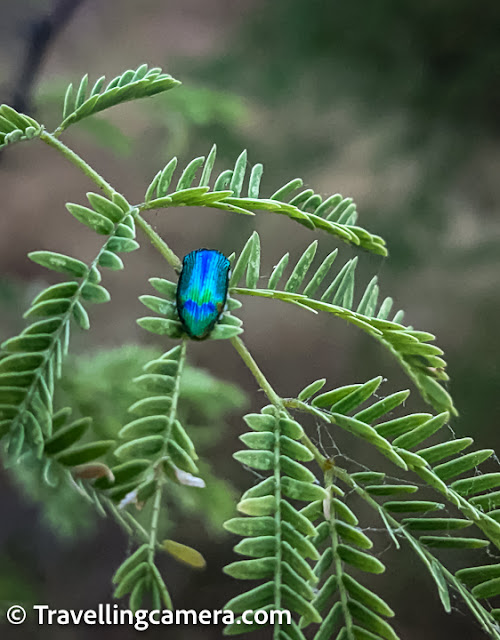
300	270
452	542
61	290
435	524
145	447
21	362
344	512
353	535
299	490
105	207
330	623
66	436
224	332
238	174
81	316
256	598
130	580
473	576
366	597
371	620
208	167
254	181
460	465
421	433
188	174
278	272
299	604
245	256
130	563
438	452
320	274
123	473
382	407
253	267
148	425
165	287
360	559
162	326
185	554
27	343
356	397
95	293
48	308
166	178
262	460
59	262
121	245
476	484
411	506
486	502
311	389
391	489
488	589
257	506
91	218
84	453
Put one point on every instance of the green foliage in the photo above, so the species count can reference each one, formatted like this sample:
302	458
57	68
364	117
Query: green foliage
335	215
275	532
15	126
420	360
130	85
32	361
136	443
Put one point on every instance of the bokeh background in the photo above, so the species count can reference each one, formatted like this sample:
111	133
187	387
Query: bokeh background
394	104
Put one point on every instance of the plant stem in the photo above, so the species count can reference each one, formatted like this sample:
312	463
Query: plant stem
424	553
247	358
79	162
155	516
265	385
158	243
334	536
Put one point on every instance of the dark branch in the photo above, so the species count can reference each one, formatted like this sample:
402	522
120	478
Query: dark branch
42	34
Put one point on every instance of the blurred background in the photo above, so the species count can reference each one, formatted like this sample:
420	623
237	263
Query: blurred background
394	104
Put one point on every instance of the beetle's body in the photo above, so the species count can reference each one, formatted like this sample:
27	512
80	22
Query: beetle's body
202	291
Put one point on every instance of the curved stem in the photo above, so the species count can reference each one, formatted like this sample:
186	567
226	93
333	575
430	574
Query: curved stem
79	162
158	243
247	358
280	403
339	569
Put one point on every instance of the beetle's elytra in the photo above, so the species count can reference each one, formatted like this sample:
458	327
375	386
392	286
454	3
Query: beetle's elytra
202	291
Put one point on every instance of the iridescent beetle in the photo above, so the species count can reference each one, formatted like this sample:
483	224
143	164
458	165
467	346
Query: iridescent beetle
202	291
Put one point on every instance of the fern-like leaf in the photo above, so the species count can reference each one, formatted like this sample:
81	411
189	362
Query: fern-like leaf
409	432
31	362
422	361
275	533
154	447
336	215
130	85
348	608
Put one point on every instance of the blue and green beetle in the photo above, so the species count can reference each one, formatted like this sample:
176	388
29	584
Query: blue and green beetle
202	291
